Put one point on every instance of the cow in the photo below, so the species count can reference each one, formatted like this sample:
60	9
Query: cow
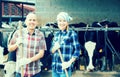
95	46
102	57
113	45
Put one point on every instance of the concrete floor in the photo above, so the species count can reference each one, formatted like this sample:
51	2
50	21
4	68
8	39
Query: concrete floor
1	73
96	74
86	74
78	74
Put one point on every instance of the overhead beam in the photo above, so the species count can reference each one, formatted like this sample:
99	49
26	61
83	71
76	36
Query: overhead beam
18	2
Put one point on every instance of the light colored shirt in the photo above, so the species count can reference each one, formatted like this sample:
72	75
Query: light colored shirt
32	44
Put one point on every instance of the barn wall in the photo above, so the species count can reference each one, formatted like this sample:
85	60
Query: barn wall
81	10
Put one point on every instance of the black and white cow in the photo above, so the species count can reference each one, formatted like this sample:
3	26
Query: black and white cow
113	45
102	54
95	40
10	56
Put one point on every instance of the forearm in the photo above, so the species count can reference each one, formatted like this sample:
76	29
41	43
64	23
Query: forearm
72	60
12	48
38	56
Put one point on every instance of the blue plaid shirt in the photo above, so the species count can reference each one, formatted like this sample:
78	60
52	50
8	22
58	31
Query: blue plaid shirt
69	47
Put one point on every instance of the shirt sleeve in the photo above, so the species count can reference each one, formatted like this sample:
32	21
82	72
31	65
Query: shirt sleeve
76	45
13	38
42	43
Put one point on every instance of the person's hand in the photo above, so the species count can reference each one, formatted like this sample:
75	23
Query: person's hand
19	41
21	62
24	61
56	46
66	64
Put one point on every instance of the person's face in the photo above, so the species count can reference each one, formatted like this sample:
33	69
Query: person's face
31	21
62	23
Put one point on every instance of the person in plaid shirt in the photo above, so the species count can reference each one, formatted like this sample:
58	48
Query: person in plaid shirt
67	41
34	45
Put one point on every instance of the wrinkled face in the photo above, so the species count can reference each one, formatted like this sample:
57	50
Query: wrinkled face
62	24
31	21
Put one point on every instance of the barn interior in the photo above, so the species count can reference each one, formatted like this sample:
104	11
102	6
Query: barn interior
99	16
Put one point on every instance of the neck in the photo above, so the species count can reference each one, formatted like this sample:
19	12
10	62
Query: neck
63	30
31	31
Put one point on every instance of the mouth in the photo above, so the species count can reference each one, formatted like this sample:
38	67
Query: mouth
31	26
62	25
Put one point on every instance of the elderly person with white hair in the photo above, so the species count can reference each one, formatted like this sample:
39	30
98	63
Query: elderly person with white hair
66	42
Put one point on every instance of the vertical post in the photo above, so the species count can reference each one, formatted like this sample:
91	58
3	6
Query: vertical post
105	37
0	13
21	47
0	22
22	12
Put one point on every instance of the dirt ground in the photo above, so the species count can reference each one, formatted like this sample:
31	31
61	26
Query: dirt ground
1	72
78	73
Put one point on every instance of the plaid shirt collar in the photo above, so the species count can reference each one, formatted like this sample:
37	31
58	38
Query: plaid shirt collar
29	33
63	32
